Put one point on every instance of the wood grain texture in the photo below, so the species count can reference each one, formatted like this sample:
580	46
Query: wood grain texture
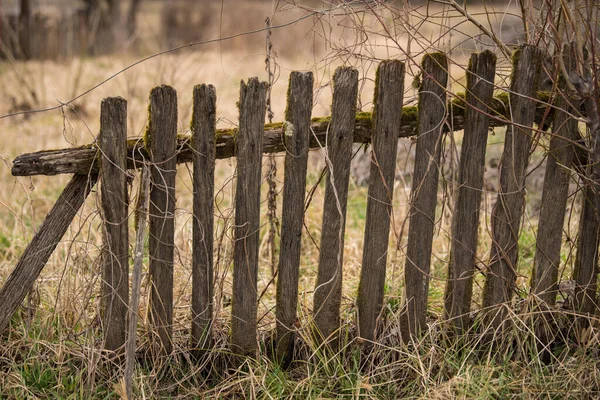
253	98
465	220
84	159
509	206
204	121
585	269
162	140
555	192
38	251
328	290
389	96
297	139
432	114
115	204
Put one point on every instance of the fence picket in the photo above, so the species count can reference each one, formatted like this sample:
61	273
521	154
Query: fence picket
203	143
252	107
465	221
508	210
544	279
297	139
328	290
161	142
432	114
115	203
387	121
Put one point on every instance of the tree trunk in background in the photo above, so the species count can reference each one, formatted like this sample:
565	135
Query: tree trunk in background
134	8
24	29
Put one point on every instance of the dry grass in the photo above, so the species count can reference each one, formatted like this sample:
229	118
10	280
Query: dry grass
53	346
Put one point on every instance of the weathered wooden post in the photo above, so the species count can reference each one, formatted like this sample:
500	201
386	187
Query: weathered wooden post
115	203
544	280
328	291
203	144
465	220
509	207
387	117
161	140
297	138
253	102
432	114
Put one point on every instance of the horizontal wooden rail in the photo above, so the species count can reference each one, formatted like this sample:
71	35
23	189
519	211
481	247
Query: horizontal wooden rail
84	159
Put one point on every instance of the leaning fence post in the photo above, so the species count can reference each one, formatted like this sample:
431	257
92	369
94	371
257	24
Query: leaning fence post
113	190
253	101
387	117
39	250
465	220
328	290
203	145
508	210
297	137
432	115
161	140
544	280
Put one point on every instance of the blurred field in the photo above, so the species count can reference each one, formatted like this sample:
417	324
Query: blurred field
63	306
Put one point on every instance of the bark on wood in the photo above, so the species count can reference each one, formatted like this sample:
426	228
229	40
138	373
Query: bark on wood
37	253
253	97
203	143
327	296
465	221
585	269
390	92
162	137
82	160
113	189
508	210
297	140
544	281
432	113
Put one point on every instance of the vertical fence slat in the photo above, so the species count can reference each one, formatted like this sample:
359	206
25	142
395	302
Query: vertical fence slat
585	269
387	120
465	221
328	290
247	216
113	188
432	115
203	145
509	207
554	199
297	138
161	141
38	251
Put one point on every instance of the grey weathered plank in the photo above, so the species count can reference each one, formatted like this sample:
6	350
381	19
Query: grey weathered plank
465	220
561	154
432	114
161	142
252	107
327	297
84	159
585	269
390	93
115	203
508	210
203	142
47	237
292	215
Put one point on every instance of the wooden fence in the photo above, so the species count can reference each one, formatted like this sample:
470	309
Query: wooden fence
161	149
